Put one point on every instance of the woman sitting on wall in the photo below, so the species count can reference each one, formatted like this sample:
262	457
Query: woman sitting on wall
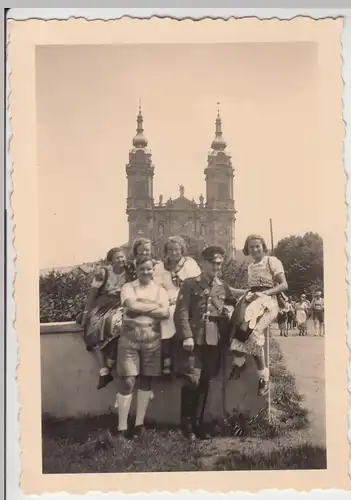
102	316
139	350
175	268
257	309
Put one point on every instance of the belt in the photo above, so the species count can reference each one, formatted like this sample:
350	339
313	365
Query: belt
210	317
213	319
259	288
129	322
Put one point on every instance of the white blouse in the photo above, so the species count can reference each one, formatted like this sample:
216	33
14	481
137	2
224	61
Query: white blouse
263	273
187	268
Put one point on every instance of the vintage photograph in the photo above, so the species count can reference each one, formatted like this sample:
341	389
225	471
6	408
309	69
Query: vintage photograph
181	232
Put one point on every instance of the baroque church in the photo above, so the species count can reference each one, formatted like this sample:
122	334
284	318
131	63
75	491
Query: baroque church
211	220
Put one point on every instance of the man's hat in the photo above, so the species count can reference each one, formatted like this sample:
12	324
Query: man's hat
213	253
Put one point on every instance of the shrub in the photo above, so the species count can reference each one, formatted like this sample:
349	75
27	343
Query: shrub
62	295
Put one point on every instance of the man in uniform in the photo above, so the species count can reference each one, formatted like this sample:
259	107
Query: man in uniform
201	326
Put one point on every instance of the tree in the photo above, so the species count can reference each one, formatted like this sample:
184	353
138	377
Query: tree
302	258
235	273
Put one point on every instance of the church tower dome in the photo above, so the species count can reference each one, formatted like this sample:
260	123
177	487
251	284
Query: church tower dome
140	140
218	143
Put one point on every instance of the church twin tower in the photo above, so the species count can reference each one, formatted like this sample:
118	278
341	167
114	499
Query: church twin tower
210	220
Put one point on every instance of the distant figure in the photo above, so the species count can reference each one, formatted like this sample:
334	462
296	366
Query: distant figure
283	321
302	312
102	316
317	308
290	313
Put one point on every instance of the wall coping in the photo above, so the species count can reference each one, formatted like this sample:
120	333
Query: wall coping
60	327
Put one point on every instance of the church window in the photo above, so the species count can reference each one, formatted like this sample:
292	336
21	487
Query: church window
222	191
161	229
202	230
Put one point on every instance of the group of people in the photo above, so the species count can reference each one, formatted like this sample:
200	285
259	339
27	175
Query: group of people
176	316
296	313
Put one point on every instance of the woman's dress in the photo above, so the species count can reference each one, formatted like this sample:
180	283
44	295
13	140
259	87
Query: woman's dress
251	319
105	319
301	315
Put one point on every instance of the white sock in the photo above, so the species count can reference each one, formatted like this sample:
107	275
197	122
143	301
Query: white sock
143	398
264	374
239	361
123	403
103	371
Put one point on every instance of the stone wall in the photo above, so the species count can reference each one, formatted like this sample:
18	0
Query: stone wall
69	377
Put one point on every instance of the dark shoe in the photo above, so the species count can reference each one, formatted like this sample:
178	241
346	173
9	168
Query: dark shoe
139	432
104	380
123	434
263	386
200	432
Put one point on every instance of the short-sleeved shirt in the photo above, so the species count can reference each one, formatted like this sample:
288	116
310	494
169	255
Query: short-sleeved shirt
107	281
318	304
263	273
146	293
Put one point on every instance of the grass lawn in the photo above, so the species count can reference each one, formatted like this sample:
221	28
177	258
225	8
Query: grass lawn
78	445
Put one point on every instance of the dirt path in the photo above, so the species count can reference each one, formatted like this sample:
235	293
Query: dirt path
304	358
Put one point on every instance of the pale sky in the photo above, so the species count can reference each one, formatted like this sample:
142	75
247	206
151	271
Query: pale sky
87	102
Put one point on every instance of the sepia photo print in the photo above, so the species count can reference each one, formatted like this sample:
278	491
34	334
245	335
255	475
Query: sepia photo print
188	286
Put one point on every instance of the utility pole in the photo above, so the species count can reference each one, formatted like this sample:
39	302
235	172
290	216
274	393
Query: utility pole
272	240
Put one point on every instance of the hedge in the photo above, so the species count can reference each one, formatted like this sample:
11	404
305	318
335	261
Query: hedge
62	295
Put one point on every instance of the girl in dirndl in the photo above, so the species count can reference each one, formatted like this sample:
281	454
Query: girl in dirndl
302	312
266	279
102	316
175	268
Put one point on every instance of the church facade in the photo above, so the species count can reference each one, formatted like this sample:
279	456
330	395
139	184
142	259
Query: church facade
210	220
